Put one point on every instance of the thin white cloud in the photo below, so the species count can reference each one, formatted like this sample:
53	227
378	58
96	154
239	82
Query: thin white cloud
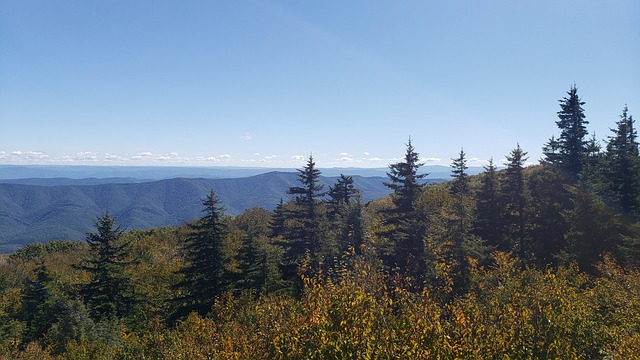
246	136
19	156
85	156
142	156
431	160
256	154
225	156
366	153
297	157
111	157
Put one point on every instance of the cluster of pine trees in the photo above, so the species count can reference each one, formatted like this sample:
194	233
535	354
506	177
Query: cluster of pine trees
443	252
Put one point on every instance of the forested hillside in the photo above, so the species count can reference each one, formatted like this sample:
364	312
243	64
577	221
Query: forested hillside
31	213
526	262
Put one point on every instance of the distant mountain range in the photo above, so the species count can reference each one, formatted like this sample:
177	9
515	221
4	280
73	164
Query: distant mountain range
42	203
67	208
119	174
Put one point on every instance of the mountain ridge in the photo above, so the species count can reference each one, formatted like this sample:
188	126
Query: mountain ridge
37	213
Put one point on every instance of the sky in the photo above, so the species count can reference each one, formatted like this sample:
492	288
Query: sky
270	83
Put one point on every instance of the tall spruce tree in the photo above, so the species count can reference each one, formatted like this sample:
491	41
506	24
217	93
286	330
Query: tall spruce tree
345	213
462	221
488	224
109	293
304	236
204	273
460	183
513	189
278	221
408	227
572	143
341	194
623	165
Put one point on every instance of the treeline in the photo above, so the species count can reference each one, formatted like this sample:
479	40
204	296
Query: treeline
525	262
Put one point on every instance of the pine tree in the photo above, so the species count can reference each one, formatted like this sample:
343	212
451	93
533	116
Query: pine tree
623	165
109	293
304	236
572	144
345	213
204	273
278	221
460	183
257	258
39	308
551	151
548	202
488	224
460	231
408	226
513	189
341	194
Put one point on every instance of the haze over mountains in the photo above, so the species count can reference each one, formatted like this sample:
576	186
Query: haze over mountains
138	173
41	203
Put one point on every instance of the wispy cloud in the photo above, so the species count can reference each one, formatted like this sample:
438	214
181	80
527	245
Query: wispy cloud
431	160
246	136
297	157
20	156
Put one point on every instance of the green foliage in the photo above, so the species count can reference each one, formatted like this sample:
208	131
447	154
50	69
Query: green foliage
204	271
488	220
305	236
572	143
514	200
549	198
345	214
108	293
259	257
622	167
406	225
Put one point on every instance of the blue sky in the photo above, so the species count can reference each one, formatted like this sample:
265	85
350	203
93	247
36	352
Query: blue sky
267	83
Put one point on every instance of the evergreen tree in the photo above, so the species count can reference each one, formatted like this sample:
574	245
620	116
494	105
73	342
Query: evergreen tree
623	165
204	273
340	195
572	144
460	183
302	241
514	198
548	202
38	309
594	229
551	151
257	258
408	227
278	221
592	159
345	213
109	293
488	222
462	220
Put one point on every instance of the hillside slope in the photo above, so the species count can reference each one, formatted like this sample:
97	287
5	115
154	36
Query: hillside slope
32	213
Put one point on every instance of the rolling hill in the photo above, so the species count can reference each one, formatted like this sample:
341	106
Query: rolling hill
35	213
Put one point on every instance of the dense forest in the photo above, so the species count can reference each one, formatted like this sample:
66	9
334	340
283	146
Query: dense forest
519	262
